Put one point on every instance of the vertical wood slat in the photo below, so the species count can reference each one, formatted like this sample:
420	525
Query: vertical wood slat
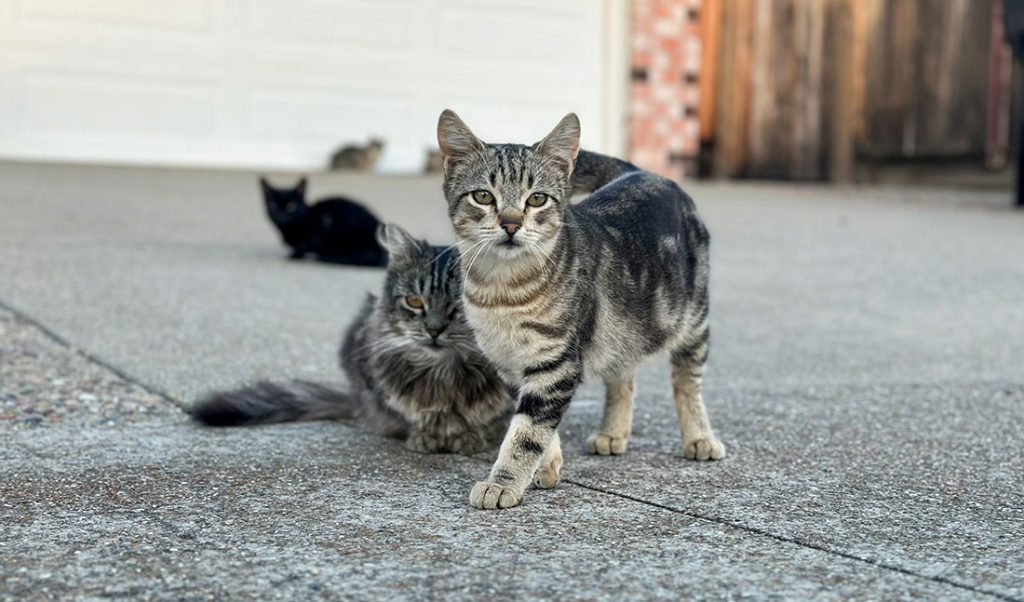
787	97
732	119
710	31
842	91
1000	68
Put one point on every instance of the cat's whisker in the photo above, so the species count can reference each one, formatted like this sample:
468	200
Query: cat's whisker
442	254
481	250
466	252
540	258
545	254
385	343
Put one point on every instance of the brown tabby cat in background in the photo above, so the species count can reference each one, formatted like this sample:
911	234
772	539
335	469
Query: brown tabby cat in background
358	158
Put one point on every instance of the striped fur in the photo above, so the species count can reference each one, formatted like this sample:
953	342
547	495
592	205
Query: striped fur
439	393
594	287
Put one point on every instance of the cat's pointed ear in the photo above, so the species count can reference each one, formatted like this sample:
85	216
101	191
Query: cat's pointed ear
264	184
400	245
563	143
456	140
301	186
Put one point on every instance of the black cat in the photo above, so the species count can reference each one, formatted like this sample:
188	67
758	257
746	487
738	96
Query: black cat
335	229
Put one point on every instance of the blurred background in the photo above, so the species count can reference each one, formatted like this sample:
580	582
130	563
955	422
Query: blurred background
834	90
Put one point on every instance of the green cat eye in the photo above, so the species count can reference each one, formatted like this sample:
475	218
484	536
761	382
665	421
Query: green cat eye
483	197
537	199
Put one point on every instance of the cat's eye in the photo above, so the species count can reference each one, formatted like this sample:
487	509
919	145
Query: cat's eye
290	206
537	199
414	302
483	197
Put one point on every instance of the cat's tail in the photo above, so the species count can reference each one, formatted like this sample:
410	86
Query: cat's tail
594	170
266	402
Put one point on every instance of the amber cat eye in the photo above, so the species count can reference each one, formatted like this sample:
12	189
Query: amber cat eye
414	302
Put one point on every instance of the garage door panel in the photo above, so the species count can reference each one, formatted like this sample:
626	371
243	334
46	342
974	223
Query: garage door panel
270	83
511	34
326	115
161	15
578	9
75	103
370	23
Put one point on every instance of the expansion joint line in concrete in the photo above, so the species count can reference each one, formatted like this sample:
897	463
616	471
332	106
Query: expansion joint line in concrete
797	542
696	515
22	316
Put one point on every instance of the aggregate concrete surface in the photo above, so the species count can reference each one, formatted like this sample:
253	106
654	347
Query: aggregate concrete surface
867	378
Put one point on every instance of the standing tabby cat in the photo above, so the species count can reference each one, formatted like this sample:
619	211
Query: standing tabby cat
552	289
414	371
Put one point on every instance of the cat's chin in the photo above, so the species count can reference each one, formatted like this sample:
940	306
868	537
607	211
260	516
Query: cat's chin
509	249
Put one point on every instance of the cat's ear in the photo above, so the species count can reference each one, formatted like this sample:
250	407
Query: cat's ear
301	186
265	185
400	245
563	143
455	139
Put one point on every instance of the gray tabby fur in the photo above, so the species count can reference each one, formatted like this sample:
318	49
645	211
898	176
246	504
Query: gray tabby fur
562	289
439	393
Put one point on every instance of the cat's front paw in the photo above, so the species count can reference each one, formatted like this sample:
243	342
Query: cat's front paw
492	496
423	443
466	443
704	448
604	444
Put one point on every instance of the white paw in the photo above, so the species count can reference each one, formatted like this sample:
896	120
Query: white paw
604	444
490	496
707	448
549	476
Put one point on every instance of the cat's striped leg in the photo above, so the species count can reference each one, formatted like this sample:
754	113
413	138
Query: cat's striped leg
618	418
699	441
543	399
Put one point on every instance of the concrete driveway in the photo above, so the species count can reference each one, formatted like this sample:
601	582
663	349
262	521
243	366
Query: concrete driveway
866	375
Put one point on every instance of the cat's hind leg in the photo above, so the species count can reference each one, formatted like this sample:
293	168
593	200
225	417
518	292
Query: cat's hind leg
617	422
688	359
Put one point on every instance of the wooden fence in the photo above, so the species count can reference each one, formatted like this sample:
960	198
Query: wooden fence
804	89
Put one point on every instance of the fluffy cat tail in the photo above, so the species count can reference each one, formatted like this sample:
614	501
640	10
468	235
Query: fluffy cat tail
266	402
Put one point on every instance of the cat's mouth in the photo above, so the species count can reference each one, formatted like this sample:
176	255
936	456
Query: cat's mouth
510	248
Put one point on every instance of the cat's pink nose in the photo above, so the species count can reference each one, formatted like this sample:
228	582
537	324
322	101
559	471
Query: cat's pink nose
511	227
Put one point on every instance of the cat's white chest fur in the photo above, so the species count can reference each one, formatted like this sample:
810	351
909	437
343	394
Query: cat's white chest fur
500	336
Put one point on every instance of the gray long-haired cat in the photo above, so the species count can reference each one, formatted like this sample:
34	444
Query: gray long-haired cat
552	289
413	368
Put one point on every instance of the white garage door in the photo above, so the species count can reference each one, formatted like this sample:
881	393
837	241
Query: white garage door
280	83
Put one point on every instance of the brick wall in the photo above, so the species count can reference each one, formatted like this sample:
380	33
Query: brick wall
664	92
